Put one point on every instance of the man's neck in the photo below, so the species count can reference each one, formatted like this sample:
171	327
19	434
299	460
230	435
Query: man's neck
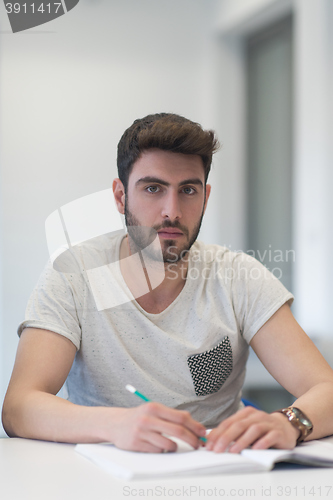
159	298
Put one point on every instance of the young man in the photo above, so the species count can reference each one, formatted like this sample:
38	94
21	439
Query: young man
183	341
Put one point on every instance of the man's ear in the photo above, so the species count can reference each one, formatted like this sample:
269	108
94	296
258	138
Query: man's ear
119	195
208	189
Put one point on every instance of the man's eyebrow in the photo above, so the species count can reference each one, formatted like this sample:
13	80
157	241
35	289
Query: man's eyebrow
195	180
157	180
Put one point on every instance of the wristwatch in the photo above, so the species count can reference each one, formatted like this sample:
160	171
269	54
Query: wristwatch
299	420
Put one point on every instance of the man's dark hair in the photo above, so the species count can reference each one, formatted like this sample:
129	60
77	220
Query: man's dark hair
166	131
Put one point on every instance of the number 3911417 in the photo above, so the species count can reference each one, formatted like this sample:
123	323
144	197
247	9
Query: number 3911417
33	8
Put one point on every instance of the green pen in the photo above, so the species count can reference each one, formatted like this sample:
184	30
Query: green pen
132	389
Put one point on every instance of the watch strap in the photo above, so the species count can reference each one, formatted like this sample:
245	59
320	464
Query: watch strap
299	420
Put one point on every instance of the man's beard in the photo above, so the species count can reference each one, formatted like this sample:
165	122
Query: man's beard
140	237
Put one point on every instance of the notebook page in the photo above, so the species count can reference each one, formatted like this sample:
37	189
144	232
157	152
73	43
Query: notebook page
129	465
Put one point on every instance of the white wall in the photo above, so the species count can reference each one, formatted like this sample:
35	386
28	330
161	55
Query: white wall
313	178
227	207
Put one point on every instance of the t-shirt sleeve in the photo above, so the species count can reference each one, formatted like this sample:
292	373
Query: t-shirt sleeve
52	306
256	293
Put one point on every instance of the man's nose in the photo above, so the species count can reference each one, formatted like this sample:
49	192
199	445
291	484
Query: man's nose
171	206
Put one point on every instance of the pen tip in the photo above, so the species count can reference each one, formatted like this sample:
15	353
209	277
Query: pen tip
130	388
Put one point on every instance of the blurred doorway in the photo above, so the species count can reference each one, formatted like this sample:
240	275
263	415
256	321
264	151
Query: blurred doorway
270	145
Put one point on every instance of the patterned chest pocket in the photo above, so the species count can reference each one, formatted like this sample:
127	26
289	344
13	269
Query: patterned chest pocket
210	369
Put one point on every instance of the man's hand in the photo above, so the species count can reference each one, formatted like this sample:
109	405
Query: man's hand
255	428
145	427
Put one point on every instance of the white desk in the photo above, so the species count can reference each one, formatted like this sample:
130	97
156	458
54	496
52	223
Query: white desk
36	470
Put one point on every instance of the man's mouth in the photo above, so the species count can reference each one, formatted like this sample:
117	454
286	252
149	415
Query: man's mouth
170	233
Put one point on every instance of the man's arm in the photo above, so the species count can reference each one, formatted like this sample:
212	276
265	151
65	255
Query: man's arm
31	408
294	361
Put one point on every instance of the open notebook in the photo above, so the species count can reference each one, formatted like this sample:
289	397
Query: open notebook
186	461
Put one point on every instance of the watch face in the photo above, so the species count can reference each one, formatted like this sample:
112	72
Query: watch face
301	417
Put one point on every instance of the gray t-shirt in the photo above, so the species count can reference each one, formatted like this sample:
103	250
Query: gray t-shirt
190	356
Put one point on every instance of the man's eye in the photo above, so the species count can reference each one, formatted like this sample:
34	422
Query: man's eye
189	190
152	189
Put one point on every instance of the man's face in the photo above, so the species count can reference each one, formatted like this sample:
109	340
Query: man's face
166	192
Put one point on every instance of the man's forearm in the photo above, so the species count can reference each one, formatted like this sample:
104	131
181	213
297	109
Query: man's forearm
317	404
39	415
